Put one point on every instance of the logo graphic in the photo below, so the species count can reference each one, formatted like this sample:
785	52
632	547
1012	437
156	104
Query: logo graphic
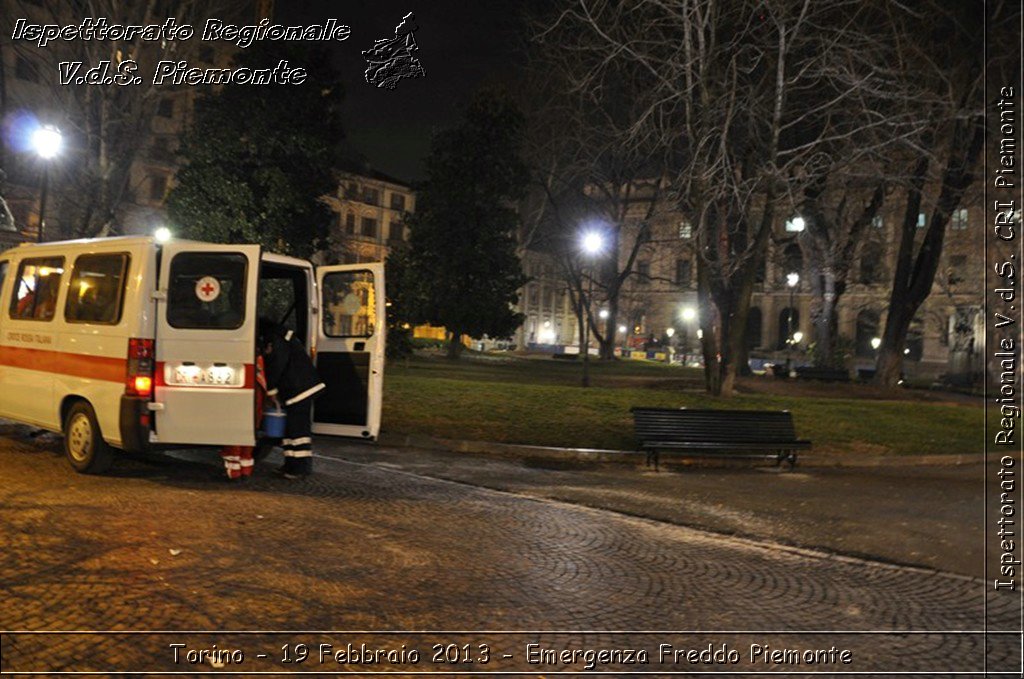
391	59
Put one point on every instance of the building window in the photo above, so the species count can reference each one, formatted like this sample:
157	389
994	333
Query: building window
871	257
165	109
352	191
685	230
921	219
395	229
878	222
371	196
157	187
959	219
350	224
684	272
369	227
398	202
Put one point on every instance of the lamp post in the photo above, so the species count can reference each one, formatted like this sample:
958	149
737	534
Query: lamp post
625	339
593	244
47	142
669	333
689	315
792	280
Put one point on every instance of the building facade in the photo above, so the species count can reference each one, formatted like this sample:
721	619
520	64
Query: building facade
658	305
370	211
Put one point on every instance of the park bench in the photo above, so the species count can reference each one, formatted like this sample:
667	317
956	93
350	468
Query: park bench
740	433
823	374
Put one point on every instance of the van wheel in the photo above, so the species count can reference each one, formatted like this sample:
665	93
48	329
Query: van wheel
84	446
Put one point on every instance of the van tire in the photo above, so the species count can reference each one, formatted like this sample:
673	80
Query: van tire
84	446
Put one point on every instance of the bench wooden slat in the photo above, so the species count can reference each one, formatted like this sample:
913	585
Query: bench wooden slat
702	431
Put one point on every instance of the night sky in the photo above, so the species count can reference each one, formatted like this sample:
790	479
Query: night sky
463	44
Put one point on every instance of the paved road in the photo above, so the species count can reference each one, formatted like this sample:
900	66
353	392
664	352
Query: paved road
361	554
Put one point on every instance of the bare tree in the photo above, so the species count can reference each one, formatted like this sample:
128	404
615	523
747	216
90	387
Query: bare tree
943	63
739	99
108	127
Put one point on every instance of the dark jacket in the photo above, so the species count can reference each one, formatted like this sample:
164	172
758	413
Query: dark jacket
291	375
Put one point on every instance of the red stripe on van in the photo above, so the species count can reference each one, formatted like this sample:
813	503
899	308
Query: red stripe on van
64	363
249	382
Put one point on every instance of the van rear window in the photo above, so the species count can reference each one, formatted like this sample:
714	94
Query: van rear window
207	290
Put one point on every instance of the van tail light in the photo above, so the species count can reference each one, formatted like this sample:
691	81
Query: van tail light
139	380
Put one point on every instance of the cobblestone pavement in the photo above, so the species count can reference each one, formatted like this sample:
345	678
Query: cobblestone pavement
363	555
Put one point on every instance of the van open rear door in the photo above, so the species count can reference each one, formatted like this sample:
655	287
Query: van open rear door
350	350
206	344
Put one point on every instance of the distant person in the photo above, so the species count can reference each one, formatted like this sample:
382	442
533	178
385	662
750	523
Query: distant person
292	380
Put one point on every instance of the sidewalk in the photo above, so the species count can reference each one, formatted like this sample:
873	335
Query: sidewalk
919	511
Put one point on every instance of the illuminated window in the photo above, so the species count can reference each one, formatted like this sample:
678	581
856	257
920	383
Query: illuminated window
36	289
94	295
959	219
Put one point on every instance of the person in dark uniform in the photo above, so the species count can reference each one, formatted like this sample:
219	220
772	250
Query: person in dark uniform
292	380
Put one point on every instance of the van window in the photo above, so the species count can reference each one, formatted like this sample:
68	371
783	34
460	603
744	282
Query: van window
207	290
36	288
350	309
3	273
96	289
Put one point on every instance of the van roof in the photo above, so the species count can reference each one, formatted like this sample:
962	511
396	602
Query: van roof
88	241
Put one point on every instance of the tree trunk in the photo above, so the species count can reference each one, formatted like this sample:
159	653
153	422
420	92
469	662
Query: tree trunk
915	275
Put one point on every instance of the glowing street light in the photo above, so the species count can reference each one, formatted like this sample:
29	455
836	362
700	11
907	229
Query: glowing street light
592	243
162	234
876	342
792	280
602	314
47	142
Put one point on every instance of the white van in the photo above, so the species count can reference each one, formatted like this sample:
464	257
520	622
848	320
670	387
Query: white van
126	343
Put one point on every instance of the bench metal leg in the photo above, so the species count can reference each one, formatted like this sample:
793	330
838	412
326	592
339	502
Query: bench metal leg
791	459
652	454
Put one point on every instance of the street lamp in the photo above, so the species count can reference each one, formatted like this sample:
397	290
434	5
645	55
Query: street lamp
625	339
592	244
47	142
162	234
876	342
792	280
669	332
689	315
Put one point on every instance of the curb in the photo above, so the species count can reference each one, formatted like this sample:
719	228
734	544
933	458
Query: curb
636	458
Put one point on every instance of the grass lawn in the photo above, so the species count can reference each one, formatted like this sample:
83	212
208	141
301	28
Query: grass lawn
539	402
